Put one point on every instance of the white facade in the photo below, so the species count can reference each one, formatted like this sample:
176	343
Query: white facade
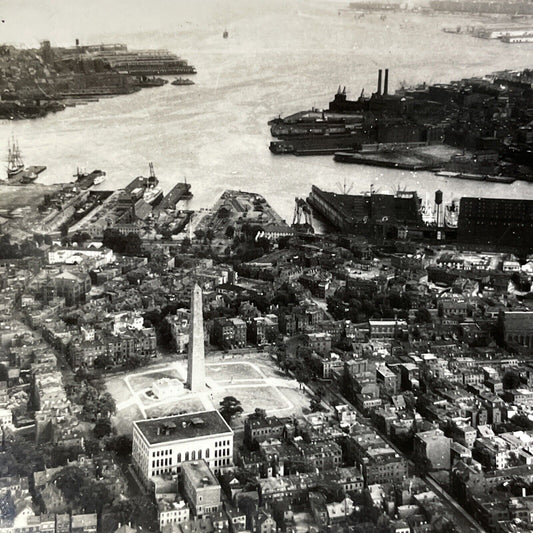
127	320
6	418
166	388
155	455
77	255
173	513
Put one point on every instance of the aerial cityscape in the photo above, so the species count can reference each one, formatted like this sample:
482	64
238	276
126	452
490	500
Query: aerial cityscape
266	267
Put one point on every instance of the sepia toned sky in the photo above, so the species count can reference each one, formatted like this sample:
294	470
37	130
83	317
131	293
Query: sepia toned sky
61	21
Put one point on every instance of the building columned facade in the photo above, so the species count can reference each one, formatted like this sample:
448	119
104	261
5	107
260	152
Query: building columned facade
161	445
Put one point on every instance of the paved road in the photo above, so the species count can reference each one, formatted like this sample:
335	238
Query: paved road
472	524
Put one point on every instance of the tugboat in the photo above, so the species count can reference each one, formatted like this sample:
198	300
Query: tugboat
15	164
182	81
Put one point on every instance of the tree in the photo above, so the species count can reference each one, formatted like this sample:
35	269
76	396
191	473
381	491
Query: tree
185	244
97	405
123	244
230	232
316	403
229	407
70	481
136	361
121	445
22	457
103	361
106	405
102	428
423	316
511	380
347	384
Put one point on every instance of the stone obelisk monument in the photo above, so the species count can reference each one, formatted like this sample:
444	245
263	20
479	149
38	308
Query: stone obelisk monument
196	363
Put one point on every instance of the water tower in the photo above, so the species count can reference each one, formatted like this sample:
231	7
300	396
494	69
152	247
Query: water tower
438	203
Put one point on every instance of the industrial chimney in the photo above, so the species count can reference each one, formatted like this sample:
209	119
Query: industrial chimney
379	81
386	83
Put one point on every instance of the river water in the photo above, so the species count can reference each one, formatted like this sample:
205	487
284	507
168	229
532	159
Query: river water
281	56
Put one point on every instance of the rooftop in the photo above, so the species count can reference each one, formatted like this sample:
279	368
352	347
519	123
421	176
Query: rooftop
182	427
199	474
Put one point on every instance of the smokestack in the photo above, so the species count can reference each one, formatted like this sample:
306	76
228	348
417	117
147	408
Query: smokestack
379	81
386	82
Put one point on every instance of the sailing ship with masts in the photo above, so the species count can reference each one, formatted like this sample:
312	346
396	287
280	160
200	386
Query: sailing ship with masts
15	164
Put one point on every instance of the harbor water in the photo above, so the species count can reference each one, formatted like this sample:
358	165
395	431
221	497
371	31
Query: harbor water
279	57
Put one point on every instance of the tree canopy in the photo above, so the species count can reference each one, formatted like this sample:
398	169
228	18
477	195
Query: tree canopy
230	407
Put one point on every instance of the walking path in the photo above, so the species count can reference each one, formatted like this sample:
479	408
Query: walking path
261	381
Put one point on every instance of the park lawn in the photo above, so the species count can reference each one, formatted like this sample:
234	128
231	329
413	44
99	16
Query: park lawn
124	419
118	389
298	398
254	397
175	407
145	380
225	371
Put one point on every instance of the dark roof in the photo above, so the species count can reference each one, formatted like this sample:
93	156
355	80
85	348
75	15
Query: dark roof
183	427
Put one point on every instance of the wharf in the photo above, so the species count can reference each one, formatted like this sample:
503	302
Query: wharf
36	169
180	191
384	159
27	176
476	177
85	181
139	181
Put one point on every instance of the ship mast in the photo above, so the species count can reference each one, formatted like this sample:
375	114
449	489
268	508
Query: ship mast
18	155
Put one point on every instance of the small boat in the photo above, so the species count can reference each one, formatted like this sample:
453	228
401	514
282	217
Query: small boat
182	81
99	179
225	35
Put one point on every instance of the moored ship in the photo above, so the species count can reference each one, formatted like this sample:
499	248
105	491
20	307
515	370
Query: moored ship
15	164
88	179
152	194
182	81
146	188
346	124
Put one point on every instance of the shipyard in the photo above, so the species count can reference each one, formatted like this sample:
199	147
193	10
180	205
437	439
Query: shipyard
285	290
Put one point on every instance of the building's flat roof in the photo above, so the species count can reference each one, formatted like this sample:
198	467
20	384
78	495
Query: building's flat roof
199	474
182	427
